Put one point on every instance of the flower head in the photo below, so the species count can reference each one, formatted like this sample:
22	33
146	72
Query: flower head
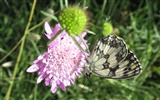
74	20
107	28
62	62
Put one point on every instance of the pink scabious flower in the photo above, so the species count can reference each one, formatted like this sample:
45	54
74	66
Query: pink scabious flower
62	62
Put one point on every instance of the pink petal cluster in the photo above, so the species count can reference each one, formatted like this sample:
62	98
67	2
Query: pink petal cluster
62	62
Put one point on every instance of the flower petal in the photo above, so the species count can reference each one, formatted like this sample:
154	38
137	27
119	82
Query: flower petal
33	68
72	80
54	87
48	30
62	86
56	29
67	83
40	78
84	34
47	81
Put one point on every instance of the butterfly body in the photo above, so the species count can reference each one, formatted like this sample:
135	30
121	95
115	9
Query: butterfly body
111	58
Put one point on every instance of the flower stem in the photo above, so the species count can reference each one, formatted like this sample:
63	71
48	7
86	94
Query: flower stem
84	43
20	53
58	33
77	44
34	27
11	50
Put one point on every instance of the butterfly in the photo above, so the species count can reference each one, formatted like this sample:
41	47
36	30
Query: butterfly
111	58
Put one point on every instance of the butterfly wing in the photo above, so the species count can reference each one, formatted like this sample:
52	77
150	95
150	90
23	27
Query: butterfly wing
129	67
111	58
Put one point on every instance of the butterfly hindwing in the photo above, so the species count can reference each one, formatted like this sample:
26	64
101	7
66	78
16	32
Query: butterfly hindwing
111	58
129	67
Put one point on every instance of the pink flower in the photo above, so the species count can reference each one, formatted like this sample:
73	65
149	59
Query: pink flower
62	62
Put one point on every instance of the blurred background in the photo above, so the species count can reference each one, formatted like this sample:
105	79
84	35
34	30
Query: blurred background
137	22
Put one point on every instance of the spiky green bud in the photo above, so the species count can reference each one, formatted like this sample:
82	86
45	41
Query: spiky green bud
107	28
73	19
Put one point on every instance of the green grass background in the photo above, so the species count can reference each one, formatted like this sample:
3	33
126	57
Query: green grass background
137	21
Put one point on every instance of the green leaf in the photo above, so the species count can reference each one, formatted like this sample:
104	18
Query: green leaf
90	32
50	15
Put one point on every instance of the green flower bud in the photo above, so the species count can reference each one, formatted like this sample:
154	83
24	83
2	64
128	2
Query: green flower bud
73	20
107	28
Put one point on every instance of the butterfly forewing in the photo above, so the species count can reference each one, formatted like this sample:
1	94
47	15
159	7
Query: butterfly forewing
111	58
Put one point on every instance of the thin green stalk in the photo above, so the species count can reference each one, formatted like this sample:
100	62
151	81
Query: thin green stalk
84	43
59	32
7	96
102	10
46	95
103	7
11	50
66	3
84	3
77	44
35	92
35	47
34	27
39	24
61	4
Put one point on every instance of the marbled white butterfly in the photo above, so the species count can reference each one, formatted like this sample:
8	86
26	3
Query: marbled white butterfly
111	58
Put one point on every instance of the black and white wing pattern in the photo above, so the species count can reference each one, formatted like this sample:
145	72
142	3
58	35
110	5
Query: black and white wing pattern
111	58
